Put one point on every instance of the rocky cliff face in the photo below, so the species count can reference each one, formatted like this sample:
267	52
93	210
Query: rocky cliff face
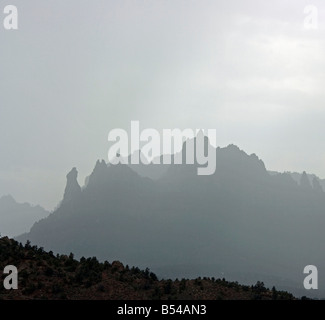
241	221
72	190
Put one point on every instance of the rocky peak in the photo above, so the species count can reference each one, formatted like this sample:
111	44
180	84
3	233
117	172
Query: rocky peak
304	181
72	188
98	173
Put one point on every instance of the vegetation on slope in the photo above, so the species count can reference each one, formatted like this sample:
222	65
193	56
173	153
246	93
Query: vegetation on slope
43	275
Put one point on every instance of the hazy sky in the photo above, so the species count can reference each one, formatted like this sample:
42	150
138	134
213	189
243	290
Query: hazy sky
76	69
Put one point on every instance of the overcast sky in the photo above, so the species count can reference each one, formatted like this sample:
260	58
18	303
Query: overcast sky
76	69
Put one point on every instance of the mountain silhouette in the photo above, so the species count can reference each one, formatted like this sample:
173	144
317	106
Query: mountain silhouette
16	218
241	222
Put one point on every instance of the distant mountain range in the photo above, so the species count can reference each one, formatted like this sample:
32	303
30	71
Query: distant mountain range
242	223
17	218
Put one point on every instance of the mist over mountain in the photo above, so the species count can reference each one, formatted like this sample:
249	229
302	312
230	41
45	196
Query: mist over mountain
242	222
17	218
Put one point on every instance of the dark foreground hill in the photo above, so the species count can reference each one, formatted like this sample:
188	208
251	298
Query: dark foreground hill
42	275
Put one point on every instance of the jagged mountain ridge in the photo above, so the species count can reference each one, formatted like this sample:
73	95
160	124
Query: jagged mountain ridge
241	221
